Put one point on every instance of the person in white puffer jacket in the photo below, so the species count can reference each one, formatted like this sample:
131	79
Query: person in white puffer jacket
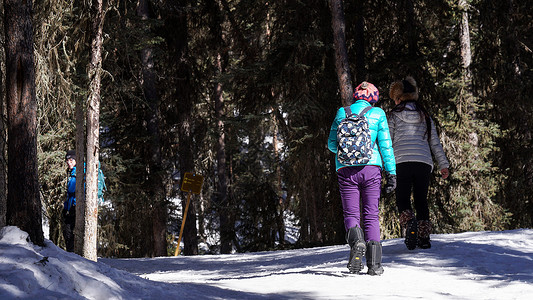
415	142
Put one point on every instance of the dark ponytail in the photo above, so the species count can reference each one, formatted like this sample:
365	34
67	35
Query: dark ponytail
424	113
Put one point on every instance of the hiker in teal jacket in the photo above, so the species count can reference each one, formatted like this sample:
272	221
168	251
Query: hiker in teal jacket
364	182
379	129
69	206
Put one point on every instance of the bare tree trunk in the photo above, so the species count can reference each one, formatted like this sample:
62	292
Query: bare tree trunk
157	193
79	228
3	163
280	221
341	53
93	133
190	232
226	227
227	231
304	223
466	60
410	29
464	37
177	23
23	207
360	68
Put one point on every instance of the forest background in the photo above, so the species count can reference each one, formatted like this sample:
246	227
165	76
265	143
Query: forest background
244	93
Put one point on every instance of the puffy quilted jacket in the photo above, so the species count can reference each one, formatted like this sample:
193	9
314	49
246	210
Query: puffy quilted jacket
379	129
71	190
410	140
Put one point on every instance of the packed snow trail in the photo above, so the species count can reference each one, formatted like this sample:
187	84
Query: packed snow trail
473	265
477	265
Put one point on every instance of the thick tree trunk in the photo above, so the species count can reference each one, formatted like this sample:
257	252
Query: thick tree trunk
177	24
226	227
79	229
93	133
341	53
157	193
177	40
3	164
190	232
360	50
412	41
23	201
280	206
227	231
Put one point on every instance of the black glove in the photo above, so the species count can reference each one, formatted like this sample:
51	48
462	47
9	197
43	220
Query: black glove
390	186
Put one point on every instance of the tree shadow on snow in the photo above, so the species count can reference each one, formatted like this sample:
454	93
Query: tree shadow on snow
482	261
238	266
214	292
457	257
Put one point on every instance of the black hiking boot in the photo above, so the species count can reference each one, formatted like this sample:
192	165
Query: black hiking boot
373	258
356	239
411	234
408	222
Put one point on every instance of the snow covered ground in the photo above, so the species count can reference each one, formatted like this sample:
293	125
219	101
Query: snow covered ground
472	265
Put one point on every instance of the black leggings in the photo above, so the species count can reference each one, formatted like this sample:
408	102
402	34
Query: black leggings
69	221
413	177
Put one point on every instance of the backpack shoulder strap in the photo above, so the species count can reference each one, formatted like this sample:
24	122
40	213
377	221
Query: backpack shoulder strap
348	111
365	110
361	114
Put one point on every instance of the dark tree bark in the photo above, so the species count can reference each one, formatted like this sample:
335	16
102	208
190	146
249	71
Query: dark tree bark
341	53
227	231
156	188
281	205
79	229
226	227
177	41
3	163
23	200
190	232
360	68
81	118
412	41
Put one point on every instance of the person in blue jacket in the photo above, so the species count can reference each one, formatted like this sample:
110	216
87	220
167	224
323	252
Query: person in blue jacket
69	206
363	182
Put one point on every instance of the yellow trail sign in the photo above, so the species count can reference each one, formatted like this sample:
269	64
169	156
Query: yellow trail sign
192	183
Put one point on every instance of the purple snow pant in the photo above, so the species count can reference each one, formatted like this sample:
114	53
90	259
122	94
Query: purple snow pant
361	182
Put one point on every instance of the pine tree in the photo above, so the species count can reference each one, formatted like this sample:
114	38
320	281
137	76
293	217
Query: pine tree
23	207
341	53
157	193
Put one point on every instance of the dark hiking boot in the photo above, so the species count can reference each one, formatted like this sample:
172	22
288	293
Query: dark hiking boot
406	216
373	258
424	230
411	234
356	239
408	221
